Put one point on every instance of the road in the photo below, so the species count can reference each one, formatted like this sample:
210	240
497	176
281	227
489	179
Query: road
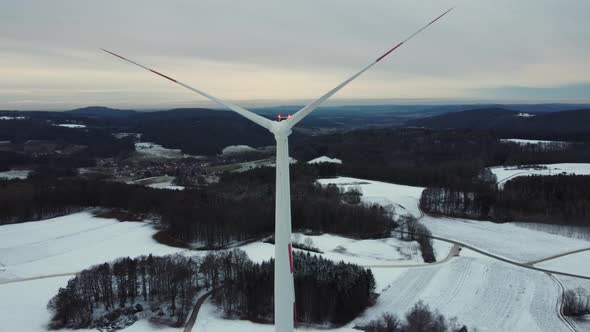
39	277
193	318
565	319
556	256
505	260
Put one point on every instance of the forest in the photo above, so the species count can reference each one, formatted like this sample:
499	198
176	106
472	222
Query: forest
325	291
213	216
113	295
556	199
427	157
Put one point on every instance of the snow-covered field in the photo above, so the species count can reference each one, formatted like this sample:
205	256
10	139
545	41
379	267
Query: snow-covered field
480	292
506	240
23	306
15	174
509	172
578	263
405	199
71	244
324	159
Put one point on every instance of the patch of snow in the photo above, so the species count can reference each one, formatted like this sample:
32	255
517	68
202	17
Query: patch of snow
404	199
532	141
324	159
15	174
154	150
12	117
504	174
166	185
525	115
70	125
236	149
158	182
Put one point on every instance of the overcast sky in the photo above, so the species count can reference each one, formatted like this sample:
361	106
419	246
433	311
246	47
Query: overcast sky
279	52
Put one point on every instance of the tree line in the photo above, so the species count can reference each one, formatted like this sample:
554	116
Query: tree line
212	216
557	199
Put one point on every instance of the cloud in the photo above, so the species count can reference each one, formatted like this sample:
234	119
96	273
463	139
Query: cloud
263	49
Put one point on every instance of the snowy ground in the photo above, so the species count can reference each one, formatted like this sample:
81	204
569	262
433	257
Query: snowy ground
404	198
506	240
23	305
324	159
15	174
576	264
506	173
71	244
480	292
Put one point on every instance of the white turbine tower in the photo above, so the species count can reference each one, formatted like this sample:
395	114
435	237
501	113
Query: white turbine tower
284	310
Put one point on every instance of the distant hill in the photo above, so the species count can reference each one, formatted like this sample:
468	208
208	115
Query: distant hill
574	124
101	111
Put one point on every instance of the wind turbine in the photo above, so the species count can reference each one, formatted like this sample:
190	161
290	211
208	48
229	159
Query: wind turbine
284	304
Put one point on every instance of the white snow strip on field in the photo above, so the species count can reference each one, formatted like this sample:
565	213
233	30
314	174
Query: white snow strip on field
15	174
12	117
509	172
71	125
576	264
532	141
324	159
404	198
72	243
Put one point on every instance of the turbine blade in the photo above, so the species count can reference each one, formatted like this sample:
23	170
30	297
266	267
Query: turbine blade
266	123
309	108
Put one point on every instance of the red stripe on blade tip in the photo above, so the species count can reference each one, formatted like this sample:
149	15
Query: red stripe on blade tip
167	77
388	52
